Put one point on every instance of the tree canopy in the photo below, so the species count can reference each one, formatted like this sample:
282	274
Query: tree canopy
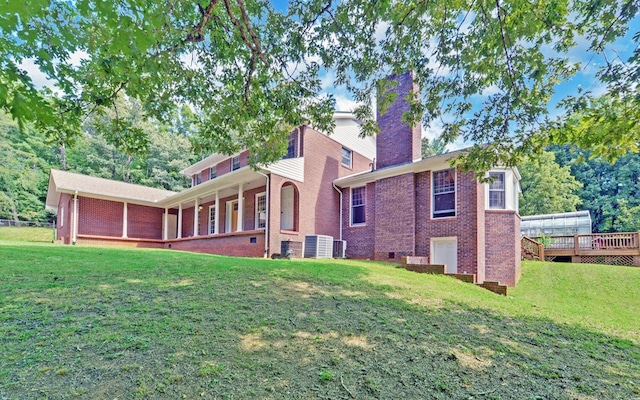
487	69
547	188
611	192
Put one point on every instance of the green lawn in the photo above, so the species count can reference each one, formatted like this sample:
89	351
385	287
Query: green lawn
82	322
26	234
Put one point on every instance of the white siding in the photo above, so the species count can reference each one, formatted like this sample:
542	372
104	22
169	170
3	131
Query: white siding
347	133
292	168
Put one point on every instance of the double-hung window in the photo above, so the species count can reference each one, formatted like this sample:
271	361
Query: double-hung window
261	210
197	179
444	193
496	190
213	172
291	147
346	157
235	163
358	206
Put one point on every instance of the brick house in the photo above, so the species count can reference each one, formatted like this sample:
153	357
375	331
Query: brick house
376	194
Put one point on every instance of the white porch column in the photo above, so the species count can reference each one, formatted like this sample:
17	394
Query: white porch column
240	207
124	220
165	233
195	217
217	214
179	235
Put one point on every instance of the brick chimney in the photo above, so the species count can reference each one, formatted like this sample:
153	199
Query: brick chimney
397	142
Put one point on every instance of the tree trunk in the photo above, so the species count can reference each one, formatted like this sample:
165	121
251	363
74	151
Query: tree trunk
63	157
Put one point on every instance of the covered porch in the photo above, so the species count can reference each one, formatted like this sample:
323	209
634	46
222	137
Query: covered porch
226	215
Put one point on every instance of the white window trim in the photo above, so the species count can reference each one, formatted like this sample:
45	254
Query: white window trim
455	193
212	212
61	216
228	222
350	165
214	168
232	163
503	190
257	219
351	206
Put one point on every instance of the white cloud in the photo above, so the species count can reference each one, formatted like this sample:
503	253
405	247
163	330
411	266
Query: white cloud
344	103
39	79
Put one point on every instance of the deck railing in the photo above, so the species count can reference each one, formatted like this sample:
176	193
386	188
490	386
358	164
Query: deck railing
626	241
532	249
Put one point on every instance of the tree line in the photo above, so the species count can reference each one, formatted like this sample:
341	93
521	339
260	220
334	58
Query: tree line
27	155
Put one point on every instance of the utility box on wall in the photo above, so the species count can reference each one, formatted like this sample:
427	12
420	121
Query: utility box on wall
318	246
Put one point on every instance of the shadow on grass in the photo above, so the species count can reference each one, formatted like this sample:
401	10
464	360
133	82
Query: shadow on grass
216	327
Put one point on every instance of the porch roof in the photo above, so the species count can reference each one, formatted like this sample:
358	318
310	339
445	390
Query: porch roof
227	184
70	182
437	162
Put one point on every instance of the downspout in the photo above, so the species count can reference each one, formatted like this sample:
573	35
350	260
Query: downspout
74	235
340	208
267	222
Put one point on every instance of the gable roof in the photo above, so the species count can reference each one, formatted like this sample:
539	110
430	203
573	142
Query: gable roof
90	186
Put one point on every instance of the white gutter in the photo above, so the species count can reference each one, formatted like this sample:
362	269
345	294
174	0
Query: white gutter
266	225
74	228
340	208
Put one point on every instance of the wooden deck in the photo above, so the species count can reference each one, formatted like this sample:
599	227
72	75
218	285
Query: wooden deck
599	248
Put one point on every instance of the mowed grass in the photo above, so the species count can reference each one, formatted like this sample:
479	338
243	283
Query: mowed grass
26	234
83	322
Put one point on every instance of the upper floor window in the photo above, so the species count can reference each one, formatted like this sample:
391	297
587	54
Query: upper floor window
235	163
358	206
291	148
496	190
346	157
444	193
197	179
213	172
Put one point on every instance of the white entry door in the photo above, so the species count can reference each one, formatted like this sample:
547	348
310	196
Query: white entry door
286	208
445	251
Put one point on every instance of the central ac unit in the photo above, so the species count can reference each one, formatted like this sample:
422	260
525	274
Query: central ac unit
318	246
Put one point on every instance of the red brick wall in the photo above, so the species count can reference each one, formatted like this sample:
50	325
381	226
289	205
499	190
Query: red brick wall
187	222
464	226
224	166
360	239
397	142
248	210
318	202
234	244
144	222
100	217
275	234
395	217
502	231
